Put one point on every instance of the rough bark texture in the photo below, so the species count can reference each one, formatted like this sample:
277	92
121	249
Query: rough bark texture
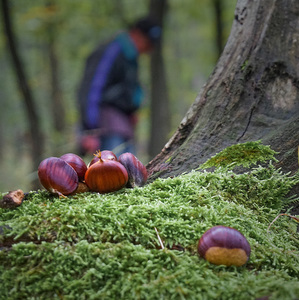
253	93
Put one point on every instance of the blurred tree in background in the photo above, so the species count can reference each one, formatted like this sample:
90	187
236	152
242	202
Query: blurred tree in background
54	39
160	114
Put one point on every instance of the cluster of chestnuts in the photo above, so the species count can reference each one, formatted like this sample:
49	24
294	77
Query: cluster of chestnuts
222	245
105	173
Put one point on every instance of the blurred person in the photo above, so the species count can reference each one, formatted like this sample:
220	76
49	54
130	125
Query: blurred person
110	93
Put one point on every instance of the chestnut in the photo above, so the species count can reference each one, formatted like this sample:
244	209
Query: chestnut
222	245
106	175
57	176
81	188
77	163
105	154
136	170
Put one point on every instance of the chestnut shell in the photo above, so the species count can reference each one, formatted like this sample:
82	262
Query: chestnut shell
224	245
57	176
105	154
106	176
77	163
136	170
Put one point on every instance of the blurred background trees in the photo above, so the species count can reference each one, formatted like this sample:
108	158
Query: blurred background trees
53	39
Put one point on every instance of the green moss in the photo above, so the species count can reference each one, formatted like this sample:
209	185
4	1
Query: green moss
110	271
246	154
245	63
93	246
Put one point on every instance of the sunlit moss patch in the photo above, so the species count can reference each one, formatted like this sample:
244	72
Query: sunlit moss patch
246	154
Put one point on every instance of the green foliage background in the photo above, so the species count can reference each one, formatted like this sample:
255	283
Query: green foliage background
92	246
77	27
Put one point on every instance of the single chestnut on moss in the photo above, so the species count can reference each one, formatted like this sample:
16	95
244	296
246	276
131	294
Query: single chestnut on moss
136	170
222	245
77	163
106	175
57	176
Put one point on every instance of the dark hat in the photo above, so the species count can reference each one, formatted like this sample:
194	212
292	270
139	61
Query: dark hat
149	27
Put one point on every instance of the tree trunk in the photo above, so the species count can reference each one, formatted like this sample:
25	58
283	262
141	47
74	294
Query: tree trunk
57	104
253	93
218	25
32	116
58	109
160	112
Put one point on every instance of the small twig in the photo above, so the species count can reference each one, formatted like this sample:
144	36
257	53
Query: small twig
293	217
13	199
160	241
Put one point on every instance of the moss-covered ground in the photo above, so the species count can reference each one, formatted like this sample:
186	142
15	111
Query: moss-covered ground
92	246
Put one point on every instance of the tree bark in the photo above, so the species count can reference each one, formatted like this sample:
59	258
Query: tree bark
160	111
253	93
32	116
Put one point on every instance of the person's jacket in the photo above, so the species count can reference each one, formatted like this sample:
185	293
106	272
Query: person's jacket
110	79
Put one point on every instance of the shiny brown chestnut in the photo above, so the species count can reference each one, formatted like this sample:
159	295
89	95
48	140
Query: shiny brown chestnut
77	163
57	176
222	245
105	154
106	176
136	170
